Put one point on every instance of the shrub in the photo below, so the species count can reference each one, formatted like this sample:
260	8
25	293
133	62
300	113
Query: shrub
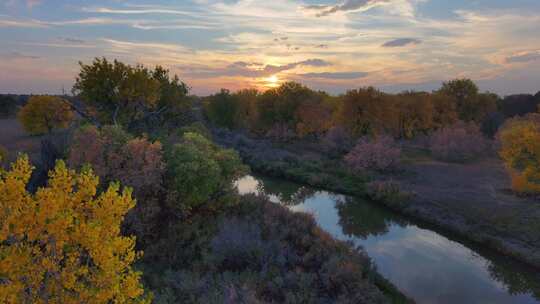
459	142
520	150
116	156
43	114
281	132
198	170
388	192
63	243
337	141
378	154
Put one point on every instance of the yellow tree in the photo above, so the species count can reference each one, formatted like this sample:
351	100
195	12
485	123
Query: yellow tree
43	114
63	243
520	150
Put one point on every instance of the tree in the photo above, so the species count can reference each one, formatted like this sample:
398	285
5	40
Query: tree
521	104
124	94
361	110
415	113
63	243
520	150
313	118
198	171
279	106
470	104
8	106
116	156
222	109
42	114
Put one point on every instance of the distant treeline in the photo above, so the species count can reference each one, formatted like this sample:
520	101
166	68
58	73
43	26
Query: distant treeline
298	111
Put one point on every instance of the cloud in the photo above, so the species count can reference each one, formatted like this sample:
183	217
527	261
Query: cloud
247	69
522	57
401	42
105	10
347	6
72	40
18	55
336	75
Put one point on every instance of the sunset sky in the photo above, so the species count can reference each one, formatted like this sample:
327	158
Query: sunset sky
325	44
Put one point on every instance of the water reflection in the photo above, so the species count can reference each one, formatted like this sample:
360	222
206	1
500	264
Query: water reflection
422	263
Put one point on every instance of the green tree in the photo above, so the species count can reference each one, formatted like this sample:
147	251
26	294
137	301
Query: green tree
43	114
124	94
222	109
198	171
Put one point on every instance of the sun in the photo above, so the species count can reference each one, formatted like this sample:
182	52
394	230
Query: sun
272	81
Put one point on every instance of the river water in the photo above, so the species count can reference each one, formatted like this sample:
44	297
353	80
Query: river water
424	264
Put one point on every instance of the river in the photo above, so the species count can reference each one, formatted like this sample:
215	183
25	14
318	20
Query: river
424	264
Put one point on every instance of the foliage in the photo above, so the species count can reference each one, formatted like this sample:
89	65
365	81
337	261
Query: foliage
260	252
281	132
470	104
124	94
519	105
116	156
196	127
361	111
63	244
520	150
388	192
199	171
43	114
3	155
222	109
280	105
8	106
459	142
379	154
337	141
313	119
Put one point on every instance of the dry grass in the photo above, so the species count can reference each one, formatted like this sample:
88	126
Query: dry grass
15	139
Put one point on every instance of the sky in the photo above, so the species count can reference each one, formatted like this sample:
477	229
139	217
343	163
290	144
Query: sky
331	45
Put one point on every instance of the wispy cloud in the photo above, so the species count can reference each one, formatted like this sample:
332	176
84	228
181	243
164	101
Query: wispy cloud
346	6
402	42
245	69
335	75
523	57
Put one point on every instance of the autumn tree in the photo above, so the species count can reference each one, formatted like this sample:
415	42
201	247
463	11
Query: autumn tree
520	150
470	104
415	114
313	118
43	114
361	110
280	105
63	243
125	94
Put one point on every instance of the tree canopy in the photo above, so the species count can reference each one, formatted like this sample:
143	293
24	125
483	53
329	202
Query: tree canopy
43	114
63	243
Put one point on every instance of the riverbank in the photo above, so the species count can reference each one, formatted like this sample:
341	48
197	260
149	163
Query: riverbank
261	252
471	201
